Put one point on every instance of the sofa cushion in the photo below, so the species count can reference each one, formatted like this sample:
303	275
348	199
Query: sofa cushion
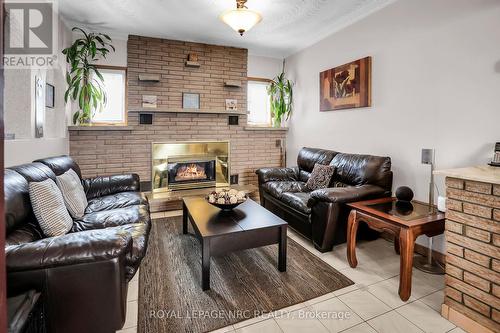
320	177
114	201
29	232
277	188
297	201
18	211
139	233
49	208
112	218
73	194
354	169
308	157
60	164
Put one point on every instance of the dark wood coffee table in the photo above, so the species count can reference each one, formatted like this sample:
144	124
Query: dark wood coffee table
405	221
248	226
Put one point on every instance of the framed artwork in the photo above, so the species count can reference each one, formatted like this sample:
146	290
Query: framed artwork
231	104
149	101
347	86
190	101
49	95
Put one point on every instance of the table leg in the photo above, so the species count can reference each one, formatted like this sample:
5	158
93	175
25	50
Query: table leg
396	244
282	250
205	264
352	229
184	218
407	241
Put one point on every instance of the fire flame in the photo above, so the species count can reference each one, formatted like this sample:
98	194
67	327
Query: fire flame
190	171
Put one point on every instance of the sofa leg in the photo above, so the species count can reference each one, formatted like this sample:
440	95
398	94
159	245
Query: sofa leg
322	249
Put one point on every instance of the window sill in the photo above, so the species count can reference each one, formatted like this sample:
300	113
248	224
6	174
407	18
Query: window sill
265	128
101	128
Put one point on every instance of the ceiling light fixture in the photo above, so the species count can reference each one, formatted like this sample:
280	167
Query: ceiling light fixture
241	19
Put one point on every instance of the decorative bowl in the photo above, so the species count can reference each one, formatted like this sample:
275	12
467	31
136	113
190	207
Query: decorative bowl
226	199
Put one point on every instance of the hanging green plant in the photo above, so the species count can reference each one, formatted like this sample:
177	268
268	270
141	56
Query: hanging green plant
85	83
281	94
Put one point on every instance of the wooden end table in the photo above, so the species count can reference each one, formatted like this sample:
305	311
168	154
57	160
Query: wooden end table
406	221
247	226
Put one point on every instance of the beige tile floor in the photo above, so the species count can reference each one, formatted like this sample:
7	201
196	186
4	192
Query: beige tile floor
371	305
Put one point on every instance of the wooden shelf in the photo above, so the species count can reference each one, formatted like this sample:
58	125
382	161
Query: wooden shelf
232	84
259	128
100	128
197	111
192	64
149	77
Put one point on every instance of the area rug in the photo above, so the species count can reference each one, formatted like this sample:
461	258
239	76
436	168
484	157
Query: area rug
244	284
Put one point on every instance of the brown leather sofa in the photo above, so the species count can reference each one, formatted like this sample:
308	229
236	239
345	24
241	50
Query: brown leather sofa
82	275
321	215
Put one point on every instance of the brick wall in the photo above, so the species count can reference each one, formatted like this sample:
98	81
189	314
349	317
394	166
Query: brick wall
168	57
107	152
473	250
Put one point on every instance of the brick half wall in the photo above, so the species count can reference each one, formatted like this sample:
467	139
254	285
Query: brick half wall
473	250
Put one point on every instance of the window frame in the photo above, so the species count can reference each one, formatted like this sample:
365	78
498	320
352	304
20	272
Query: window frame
262	80
125	102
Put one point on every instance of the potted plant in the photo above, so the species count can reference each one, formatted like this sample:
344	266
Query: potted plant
281	95
85	83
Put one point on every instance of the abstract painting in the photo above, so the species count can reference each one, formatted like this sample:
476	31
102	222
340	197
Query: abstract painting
347	86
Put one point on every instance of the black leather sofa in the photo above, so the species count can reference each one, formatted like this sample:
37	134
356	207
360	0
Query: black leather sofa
321	215
83	275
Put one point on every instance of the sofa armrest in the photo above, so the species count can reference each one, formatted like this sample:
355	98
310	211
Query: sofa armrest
106	185
277	174
70	249
346	194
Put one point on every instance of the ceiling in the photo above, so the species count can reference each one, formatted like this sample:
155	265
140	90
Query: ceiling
287	26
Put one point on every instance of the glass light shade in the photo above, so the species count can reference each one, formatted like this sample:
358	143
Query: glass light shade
241	20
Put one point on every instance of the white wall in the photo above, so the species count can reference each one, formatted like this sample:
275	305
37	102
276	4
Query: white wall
263	67
436	84
19	111
117	58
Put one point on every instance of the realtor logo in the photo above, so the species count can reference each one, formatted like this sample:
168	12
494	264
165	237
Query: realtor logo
30	33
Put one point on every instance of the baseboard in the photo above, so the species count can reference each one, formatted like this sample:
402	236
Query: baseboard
462	321
419	248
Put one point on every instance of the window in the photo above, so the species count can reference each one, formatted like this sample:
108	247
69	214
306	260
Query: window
114	84
259	104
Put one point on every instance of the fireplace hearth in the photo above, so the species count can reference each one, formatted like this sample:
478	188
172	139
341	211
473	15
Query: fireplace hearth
188	165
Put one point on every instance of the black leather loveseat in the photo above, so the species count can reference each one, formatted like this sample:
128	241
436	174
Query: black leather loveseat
82	275
321	215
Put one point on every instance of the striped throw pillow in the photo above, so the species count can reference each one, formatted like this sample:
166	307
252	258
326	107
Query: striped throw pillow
73	194
48	206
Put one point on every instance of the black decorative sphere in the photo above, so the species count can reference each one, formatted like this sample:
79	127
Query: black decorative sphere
404	193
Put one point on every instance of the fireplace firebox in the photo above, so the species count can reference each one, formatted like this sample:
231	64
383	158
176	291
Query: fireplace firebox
182	173
188	165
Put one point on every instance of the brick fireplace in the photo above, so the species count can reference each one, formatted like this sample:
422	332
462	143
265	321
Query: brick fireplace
190	164
124	149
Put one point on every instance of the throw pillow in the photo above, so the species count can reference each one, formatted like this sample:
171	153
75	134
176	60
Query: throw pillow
320	177
73	194
48	206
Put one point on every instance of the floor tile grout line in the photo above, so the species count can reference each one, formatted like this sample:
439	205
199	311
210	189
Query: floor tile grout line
420	329
417	324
